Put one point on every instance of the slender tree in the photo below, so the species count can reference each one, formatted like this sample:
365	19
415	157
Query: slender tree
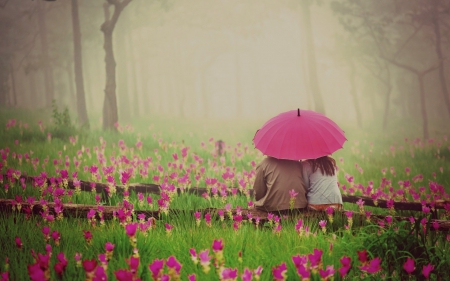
78	66
311	56
48	70
110	114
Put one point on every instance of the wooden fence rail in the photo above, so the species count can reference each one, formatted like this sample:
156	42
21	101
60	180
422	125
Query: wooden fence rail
155	189
81	211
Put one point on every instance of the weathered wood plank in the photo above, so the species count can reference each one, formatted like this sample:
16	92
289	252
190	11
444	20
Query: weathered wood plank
81	211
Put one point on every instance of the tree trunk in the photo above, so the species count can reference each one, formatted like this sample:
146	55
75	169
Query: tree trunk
354	94
423	106
122	87
387	101
70	78
78	67
110	114
48	71
311	57
237	75
438	48
13	86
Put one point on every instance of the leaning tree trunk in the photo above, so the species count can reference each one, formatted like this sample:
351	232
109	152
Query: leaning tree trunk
78	66
110	115
48	71
311	57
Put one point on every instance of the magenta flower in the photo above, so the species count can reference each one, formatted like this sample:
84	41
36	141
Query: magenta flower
156	268
426	270
130	229
279	272
315	258
174	266
89	265
299	260
36	273
18	242
292	193
327	273
192	277
87	236
228	274
109	247
247	275
205	260
125	176
193	255
168	228
363	257
372	267
258	271
303	272
208	219
217	245
123	275
409	266
133	263
346	265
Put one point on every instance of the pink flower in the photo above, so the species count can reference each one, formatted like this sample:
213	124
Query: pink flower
192	277
409	266
228	274
363	257
346	265
123	275
133	263
258	271
279	272
131	229
426	270
299	260
247	275
327	273
109	247
87	236
217	245
315	258
372	267
174	265
193	255
156	268
89	265
18	242
204	256
292	193
303	272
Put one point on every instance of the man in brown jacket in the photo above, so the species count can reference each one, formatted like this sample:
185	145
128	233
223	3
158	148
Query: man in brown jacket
274	179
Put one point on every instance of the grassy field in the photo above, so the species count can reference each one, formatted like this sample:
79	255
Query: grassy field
184	153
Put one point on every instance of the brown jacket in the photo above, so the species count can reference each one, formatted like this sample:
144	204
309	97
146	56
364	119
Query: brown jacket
274	179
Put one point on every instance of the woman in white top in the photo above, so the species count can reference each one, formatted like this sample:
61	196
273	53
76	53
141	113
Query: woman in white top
320	180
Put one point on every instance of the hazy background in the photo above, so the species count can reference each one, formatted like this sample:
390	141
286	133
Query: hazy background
236	59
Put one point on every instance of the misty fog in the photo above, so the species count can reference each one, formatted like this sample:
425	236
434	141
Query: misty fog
234	59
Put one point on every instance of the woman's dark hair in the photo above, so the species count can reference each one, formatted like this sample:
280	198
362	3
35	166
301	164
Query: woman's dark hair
326	164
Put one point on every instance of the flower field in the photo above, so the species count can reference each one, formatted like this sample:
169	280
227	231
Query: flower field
170	232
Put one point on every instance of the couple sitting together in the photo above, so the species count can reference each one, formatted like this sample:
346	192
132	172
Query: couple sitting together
314	181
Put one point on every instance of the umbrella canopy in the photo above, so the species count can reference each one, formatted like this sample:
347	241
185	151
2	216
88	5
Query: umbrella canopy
299	134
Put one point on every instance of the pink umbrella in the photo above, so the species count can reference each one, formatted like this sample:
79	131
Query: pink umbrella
299	135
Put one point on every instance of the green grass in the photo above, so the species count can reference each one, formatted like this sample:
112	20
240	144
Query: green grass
372	150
